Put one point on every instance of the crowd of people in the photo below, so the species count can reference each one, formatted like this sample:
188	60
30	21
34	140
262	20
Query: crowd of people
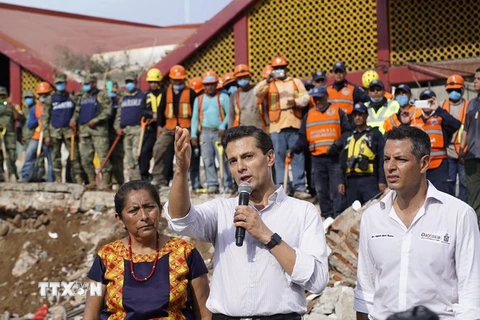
331	135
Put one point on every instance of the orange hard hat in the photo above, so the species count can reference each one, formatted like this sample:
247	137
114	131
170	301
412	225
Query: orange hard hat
279	61
228	78
196	84
241	70
455	82
43	87
177	72
220	83
209	77
266	71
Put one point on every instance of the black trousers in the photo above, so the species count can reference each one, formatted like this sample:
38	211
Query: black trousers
147	151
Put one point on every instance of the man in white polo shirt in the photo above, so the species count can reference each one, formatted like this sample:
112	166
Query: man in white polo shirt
418	246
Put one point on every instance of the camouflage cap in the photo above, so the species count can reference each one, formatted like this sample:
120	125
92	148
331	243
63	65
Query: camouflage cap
90	77
130	76
60	77
4	91
28	93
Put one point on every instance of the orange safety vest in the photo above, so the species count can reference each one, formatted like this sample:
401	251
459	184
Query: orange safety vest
457	137
184	117
200	111
261	113
433	127
38	114
274	109
342	99
322	129
393	121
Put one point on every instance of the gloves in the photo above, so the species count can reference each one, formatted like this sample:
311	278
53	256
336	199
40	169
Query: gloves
333	150
294	150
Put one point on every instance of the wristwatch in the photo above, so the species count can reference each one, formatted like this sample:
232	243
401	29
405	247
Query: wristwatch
274	241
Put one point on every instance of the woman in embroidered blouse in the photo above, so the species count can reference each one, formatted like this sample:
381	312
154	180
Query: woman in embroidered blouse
147	275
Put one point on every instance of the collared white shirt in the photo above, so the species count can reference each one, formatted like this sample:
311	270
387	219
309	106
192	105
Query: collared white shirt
248	280
435	262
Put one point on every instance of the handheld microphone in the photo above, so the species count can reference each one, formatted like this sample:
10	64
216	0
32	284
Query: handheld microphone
244	190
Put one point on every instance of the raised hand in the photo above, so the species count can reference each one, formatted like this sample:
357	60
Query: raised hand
183	149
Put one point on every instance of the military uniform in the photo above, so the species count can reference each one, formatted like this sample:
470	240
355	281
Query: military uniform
116	158
7	123
132	108
94	106
57	115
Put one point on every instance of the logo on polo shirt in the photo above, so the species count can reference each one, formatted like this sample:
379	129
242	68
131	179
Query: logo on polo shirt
435	237
382	236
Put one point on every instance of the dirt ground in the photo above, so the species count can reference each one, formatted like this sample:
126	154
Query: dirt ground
61	258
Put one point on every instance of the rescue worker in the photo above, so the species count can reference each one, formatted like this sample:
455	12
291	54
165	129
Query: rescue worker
440	126
93	111
286	97
403	95
118	153
58	125
379	107
9	113
29	101
133	109
176	108
209	121
153	96
372	75
319	79
456	105
229	84
196	85
266	71
34	125
343	94
362	160
324	130
245	108
308	85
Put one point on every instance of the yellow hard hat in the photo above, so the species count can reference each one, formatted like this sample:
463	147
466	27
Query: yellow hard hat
154	75
369	76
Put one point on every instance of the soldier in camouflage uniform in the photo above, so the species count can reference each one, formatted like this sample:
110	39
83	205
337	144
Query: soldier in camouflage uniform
127	122
92	113
8	114
59	124
116	159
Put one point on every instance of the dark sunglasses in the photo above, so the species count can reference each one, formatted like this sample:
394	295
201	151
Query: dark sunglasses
375	89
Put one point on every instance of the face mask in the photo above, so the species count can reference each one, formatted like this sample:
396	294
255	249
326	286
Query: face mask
29	101
130	86
243	82
42	99
60	86
112	94
376	100
232	89
402	100
178	87
87	88
455	95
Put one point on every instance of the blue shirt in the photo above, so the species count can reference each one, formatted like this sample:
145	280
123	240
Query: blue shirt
211	115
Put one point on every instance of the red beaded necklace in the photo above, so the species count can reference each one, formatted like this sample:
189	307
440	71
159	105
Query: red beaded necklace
157	250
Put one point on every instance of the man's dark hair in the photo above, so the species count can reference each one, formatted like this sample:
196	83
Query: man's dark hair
478	70
134	185
264	142
421	145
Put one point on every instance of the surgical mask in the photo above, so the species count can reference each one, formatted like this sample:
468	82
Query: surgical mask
130	86
42	99
112	94
455	95
243	82
402	100
60	86
232	89
178	87
87	88
29	101
376	100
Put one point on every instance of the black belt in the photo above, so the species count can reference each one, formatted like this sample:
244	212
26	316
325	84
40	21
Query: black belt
287	316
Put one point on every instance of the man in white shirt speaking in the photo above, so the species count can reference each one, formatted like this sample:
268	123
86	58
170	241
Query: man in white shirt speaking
284	252
418	246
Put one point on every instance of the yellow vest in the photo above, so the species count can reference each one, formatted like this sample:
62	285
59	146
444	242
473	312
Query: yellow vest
360	156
